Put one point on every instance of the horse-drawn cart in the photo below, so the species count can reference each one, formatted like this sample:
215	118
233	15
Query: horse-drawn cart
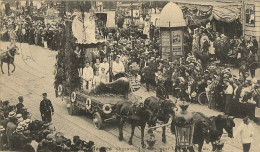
99	101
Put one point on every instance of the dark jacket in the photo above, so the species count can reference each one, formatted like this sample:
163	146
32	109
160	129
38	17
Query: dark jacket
161	92
46	107
19	107
148	73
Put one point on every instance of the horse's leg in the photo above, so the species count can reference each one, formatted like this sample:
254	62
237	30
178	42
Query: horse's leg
142	135
8	65
13	66
191	149
213	147
2	67
132	134
120	129
163	135
200	146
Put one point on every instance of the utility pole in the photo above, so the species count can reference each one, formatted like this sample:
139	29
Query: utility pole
243	17
132	24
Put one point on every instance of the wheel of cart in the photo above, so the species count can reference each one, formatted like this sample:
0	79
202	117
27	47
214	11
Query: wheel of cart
203	99
97	120
60	91
72	109
90	109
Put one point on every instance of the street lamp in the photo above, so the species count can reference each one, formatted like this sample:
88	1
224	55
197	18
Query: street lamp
184	127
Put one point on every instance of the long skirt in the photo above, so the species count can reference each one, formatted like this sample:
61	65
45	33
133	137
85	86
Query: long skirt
228	101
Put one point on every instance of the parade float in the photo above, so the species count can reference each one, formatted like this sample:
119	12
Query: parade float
97	102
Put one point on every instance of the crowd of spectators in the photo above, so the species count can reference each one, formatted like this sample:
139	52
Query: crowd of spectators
24	29
202	68
19	132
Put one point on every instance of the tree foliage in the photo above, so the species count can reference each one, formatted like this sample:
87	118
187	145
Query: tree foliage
66	70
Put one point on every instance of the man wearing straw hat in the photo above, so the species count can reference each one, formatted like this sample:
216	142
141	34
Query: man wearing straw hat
11	126
19	139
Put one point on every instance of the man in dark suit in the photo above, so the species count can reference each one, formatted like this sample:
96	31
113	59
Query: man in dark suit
46	108
20	105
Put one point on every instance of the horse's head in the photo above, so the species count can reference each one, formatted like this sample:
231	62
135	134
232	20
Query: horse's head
227	123
147	114
169	107
15	50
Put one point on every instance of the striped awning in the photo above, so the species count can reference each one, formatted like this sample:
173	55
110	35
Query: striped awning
226	13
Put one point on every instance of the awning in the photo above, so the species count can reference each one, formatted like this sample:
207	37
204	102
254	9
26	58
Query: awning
226	13
197	14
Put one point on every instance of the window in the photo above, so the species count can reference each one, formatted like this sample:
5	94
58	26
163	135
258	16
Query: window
250	15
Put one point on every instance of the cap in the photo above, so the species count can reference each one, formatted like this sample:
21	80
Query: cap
20	98
44	94
118	56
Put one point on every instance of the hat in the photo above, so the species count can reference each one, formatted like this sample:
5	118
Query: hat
19	119
19	129
20	98
50	137
11	114
2	128
118	56
246	118
28	121
19	116
44	94
23	124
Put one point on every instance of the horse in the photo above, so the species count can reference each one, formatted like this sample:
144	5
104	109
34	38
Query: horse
162	110
208	129
9	58
133	113
219	123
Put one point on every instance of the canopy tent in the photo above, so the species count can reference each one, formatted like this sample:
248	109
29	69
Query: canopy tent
226	13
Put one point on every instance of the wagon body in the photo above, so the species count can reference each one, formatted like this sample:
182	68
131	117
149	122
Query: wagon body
99	105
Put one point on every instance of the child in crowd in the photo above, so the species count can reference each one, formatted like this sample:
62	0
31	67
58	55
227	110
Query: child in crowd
96	79
103	75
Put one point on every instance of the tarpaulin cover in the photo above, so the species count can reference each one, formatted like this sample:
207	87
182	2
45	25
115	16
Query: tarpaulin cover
226	13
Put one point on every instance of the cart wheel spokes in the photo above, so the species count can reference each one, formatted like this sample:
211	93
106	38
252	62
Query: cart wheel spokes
97	120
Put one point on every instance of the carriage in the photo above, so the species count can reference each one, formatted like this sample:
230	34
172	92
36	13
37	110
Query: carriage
99	102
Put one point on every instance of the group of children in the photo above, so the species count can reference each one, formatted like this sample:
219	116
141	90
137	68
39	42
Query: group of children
92	77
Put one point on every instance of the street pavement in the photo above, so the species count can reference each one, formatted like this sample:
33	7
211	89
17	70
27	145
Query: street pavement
34	75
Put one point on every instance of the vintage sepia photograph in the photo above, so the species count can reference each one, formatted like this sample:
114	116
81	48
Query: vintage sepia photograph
130	76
